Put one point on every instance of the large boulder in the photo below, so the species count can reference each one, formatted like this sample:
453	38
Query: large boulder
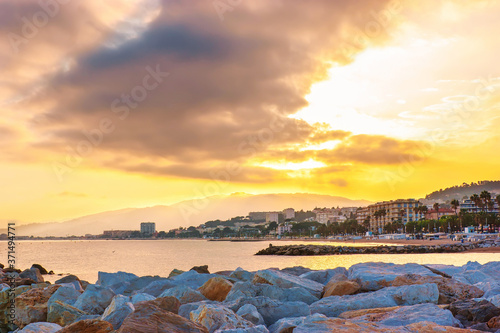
67	279
88	326
286	325
241	274
192	279
450	290
284	280
216	317
184	294
155	288
150	318
119	308
40	268
296	270
41	327
139	283
490	289
141	297
94	299
341	288
201	269
108	279
323	276
33	274
185	309
63	314
250	313
169	303
473	277
65	294
247	289
333	306
472	312
373	276
216	289
404	315
253	329
31	306
270	309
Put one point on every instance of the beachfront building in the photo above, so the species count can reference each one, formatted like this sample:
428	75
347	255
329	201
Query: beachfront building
348	211
117	233
433	215
257	216
284	228
470	207
362	214
329	215
272	217
394	210
148	228
289	213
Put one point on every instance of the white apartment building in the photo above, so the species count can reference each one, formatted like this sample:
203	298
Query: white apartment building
289	213
272	217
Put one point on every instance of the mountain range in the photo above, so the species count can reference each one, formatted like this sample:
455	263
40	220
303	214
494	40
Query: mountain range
185	213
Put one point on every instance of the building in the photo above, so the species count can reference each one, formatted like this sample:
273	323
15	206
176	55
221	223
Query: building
148	228
329	215
362	214
284	228
272	217
289	213
470	207
117	233
257	216
433	215
395	210
348	211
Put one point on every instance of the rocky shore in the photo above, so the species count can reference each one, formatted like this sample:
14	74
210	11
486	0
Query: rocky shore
315	250
367	297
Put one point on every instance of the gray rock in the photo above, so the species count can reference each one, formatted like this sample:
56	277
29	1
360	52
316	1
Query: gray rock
373	276
140	283
65	294
141	297
192	279
296	270
184	294
324	276
474	276
108	279
116	312
284	280
392	296
41	327
287	324
94	299
216	317
67	279
33	274
250	313
247	289
63	314
155	288
255	329
185	309
241	274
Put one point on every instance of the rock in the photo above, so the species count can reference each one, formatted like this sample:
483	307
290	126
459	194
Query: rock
271	310
286	325
31	306
42	270
391	296
250	313
175	272
170	304
490	289
119	308
140	283
254	329
471	312
76	285
141	297
324	276
33	274
215	317
185	309
450	290
437	272
155	288
63	314
494	322
296	270
247	289
495	300
341	288
94	299
428	327
109	279
201	269
192	279
373	276
449	270
241	274
64	294
88	326
184	294
149	318
216	289
404	315
67	279
40	328
473	277
284	280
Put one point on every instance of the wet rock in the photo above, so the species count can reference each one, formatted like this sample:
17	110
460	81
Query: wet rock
42	270
119	308
201	269
41	328
284	280
149	318
471	312
88	326
391	296
31	306
184	294
63	314
341	288
216	317
250	313
94	299
33	274
216	289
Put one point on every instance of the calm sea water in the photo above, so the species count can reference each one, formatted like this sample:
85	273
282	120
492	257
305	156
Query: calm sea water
159	257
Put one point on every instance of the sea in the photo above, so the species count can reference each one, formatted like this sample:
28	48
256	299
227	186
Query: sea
85	258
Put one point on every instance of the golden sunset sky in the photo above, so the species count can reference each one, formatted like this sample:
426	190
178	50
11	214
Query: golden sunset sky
113	104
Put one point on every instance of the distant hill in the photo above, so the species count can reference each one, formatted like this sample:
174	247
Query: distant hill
464	190
186	213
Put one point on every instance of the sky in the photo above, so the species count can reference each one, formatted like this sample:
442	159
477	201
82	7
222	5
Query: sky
107	105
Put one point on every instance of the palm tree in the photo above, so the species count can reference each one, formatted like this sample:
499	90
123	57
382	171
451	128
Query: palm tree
436	208
498	200
485	198
455	204
475	199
